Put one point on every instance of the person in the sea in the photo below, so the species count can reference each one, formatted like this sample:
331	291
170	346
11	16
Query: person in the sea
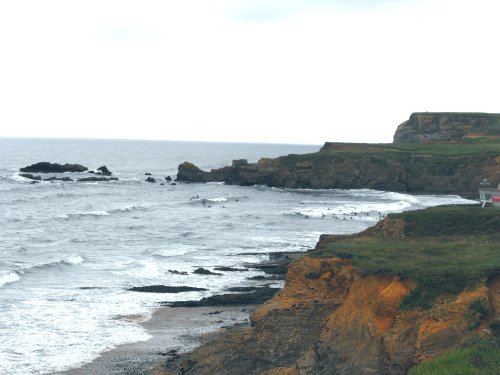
181	370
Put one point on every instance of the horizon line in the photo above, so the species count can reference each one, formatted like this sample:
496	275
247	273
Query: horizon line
156	140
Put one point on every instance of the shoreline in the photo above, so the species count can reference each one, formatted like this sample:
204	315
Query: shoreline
176	331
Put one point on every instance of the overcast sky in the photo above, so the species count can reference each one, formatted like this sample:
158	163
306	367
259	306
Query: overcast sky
285	71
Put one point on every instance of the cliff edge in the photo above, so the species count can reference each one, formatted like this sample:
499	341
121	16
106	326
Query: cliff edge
407	291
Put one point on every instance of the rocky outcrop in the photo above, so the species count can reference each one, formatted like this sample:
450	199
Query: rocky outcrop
361	168
104	171
45	167
429	126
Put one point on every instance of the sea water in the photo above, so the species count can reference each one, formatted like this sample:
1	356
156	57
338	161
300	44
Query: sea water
70	251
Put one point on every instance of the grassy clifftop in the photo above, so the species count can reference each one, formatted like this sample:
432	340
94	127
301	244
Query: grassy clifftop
442	249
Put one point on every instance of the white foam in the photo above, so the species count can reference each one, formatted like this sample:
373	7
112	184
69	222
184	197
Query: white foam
74	260
91	213
98	213
11	277
58	331
222	199
18	178
359	211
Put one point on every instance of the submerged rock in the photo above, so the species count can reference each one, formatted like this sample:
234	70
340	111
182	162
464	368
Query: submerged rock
230	269
97	179
66	179
203	271
30	176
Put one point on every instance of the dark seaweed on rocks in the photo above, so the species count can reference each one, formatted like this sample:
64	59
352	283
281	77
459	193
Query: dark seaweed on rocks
165	289
230	269
258	296
97	179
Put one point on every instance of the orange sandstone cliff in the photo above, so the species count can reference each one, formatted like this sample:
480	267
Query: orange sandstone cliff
330	318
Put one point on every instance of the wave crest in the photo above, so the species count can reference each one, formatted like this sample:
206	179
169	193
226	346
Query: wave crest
9	278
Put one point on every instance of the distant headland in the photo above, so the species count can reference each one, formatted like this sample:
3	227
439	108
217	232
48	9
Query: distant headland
438	153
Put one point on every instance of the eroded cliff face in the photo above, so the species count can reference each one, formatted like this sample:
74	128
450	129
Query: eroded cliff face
331	319
429	126
334	169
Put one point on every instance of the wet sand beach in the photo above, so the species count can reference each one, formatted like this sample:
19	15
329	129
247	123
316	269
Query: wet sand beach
173	330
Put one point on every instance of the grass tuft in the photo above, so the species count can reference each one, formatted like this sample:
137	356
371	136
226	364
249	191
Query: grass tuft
482	358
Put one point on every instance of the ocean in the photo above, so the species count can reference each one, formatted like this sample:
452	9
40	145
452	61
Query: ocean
70	251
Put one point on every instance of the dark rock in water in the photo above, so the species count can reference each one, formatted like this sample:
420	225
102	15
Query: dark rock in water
97	179
230	269
35	182
168	178
46	167
162	184
30	176
53	178
165	289
150	179
178	272
258	296
203	271
104	171
173	183
147	174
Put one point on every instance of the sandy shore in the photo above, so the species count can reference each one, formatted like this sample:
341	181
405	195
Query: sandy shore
178	330
173	330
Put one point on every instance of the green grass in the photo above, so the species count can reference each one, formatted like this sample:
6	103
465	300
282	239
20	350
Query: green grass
445	250
482	358
480	146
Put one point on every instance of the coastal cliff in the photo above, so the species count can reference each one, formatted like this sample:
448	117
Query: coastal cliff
401	293
446	126
452	166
